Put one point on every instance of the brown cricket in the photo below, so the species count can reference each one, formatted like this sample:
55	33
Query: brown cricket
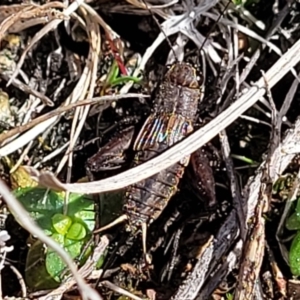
175	112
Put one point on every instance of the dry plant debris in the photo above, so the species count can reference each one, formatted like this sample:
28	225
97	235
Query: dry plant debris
78	76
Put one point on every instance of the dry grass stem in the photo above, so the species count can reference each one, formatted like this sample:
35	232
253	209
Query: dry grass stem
188	145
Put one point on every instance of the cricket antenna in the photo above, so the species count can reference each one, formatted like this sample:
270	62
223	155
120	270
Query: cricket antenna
215	24
163	32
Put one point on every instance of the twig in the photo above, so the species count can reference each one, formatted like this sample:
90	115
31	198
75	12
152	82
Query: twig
221	271
288	98
246	31
21	158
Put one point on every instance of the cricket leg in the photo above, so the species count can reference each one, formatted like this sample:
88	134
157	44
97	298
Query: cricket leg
112	155
204	178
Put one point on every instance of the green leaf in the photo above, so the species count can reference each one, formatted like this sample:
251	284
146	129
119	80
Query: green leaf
73	247
100	261
229	296
293	222
42	206
124	79
36	275
54	264
76	232
113	72
245	2
294	255
81	207
61	223
298	206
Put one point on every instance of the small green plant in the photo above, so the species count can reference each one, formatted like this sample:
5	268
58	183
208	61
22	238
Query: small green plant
72	230
229	296
293	223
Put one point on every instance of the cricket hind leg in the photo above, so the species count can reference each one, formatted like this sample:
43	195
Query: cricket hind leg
203	161
113	155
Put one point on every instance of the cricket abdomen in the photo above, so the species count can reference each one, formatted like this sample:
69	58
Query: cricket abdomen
146	199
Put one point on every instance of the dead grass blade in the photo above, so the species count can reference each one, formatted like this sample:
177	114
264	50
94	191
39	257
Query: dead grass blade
81	113
188	145
16	18
62	109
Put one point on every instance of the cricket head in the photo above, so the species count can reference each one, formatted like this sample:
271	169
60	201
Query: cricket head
185	75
